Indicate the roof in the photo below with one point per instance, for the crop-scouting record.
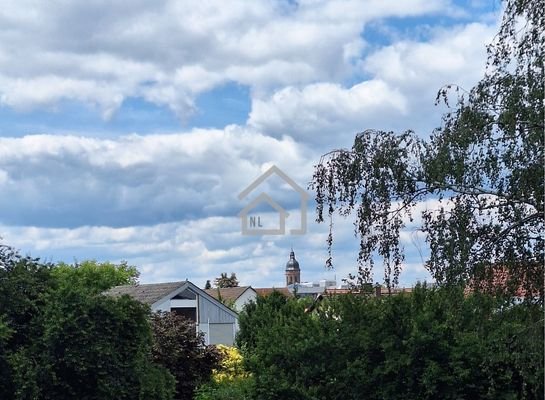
(146, 293)
(500, 280)
(262, 292)
(151, 293)
(228, 294)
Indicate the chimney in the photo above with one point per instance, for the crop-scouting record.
(378, 290)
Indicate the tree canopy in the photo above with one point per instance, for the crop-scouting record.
(94, 276)
(61, 338)
(433, 343)
(224, 281)
(480, 175)
(61, 341)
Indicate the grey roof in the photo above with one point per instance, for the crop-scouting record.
(147, 293)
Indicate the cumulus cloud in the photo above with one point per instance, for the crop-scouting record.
(67, 181)
(197, 249)
(318, 113)
(454, 55)
(399, 95)
(170, 51)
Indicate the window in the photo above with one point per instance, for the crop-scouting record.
(187, 312)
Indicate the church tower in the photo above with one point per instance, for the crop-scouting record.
(293, 273)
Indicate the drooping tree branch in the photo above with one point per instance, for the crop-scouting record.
(484, 168)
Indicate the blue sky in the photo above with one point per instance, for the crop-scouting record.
(127, 134)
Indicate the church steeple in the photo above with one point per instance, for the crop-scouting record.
(293, 273)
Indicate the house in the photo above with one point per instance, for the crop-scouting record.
(234, 297)
(312, 289)
(216, 321)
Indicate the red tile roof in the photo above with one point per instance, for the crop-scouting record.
(263, 292)
(500, 282)
(230, 294)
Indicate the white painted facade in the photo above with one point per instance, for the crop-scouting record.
(246, 297)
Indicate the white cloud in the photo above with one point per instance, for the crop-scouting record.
(319, 112)
(454, 55)
(399, 95)
(199, 249)
(167, 203)
(169, 51)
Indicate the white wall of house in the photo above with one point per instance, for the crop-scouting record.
(248, 295)
(222, 334)
(183, 303)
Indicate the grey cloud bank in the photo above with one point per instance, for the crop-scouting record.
(66, 181)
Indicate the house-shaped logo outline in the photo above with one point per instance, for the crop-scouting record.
(263, 197)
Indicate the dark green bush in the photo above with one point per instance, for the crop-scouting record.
(239, 388)
(178, 348)
(432, 343)
(59, 342)
(157, 384)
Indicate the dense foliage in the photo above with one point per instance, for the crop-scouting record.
(429, 344)
(90, 347)
(256, 316)
(230, 380)
(239, 389)
(481, 173)
(230, 367)
(94, 276)
(61, 341)
(178, 347)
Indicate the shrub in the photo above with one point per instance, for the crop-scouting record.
(230, 367)
(59, 342)
(230, 380)
(241, 388)
(179, 348)
(157, 384)
(432, 343)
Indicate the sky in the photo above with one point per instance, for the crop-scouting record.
(128, 129)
